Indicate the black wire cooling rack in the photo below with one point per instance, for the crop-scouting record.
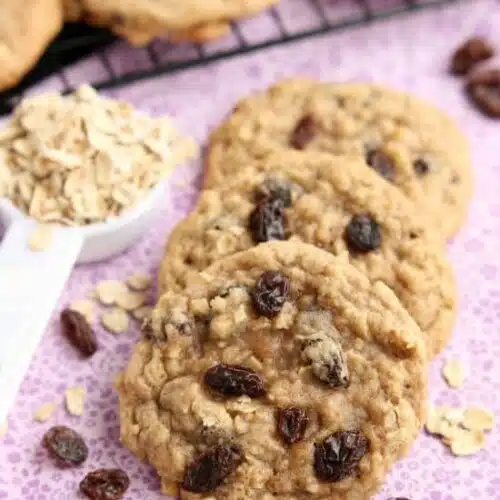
(78, 41)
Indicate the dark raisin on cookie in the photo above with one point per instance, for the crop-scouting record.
(105, 484)
(421, 167)
(327, 360)
(235, 381)
(292, 424)
(65, 446)
(303, 133)
(78, 331)
(338, 456)
(381, 163)
(267, 221)
(270, 293)
(209, 470)
(470, 53)
(276, 189)
(483, 89)
(363, 234)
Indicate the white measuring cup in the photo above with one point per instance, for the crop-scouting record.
(31, 282)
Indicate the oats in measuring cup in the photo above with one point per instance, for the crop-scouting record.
(81, 159)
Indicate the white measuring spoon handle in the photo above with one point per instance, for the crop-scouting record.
(30, 285)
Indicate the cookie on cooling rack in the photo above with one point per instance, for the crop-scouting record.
(408, 142)
(281, 372)
(141, 21)
(335, 203)
(26, 29)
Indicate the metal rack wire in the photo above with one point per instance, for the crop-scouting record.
(78, 41)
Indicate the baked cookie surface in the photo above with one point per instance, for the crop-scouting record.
(335, 203)
(196, 20)
(27, 28)
(407, 141)
(280, 372)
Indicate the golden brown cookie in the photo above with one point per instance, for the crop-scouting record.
(335, 203)
(196, 20)
(280, 372)
(26, 29)
(407, 141)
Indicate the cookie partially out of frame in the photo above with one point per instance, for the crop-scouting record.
(142, 21)
(335, 203)
(280, 372)
(410, 143)
(26, 29)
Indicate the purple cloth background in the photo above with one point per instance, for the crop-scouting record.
(407, 53)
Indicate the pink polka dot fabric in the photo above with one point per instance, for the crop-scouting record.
(409, 54)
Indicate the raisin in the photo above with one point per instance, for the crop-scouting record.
(303, 133)
(363, 234)
(484, 91)
(267, 221)
(381, 163)
(270, 293)
(65, 446)
(234, 381)
(276, 189)
(209, 470)
(338, 456)
(292, 424)
(421, 167)
(472, 52)
(105, 484)
(79, 332)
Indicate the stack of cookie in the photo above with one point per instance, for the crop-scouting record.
(296, 369)
(30, 25)
(140, 21)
